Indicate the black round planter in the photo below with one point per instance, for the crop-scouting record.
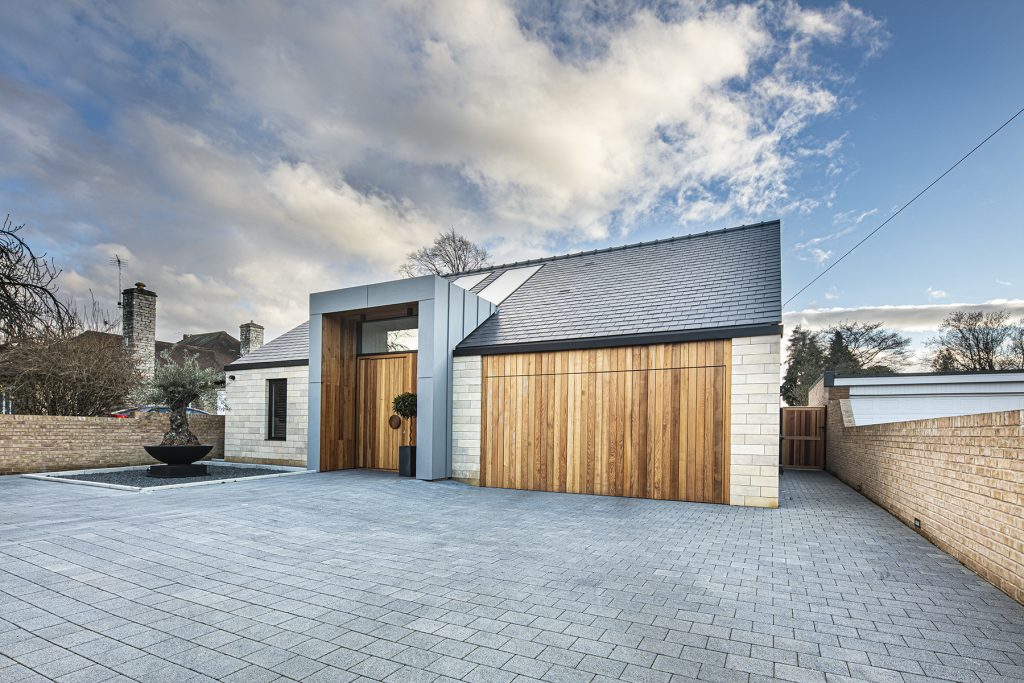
(178, 460)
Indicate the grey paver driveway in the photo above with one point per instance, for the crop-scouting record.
(358, 575)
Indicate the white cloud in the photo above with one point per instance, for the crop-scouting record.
(820, 256)
(937, 293)
(833, 293)
(905, 318)
(1003, 283)
(852, 218)
(262, 154)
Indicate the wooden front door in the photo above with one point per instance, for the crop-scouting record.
(380, 379)
(645, 422)
(803, 438)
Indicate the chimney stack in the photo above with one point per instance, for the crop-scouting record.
(251, 337)
(138, 326)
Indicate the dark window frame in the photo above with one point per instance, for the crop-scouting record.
(277, 390)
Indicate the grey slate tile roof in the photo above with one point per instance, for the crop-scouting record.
(724, 278)
(288, 349)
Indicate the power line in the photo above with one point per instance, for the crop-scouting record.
(900, 210)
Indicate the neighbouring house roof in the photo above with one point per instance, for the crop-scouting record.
(212, 349)
(721, 282)
(291, 348)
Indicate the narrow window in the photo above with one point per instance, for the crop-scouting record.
(277, 408)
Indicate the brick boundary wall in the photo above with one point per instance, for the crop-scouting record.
(963, 477)
(45, 443)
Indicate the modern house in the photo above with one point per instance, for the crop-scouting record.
(649, 370)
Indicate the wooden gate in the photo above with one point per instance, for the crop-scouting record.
(644, 422)
(381, 378)
(802, 445)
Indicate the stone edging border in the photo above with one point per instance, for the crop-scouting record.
(58, 478)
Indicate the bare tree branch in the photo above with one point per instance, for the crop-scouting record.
(450, 253)
(977, 341)
(28, 289)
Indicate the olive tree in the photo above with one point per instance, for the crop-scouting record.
(177, 386)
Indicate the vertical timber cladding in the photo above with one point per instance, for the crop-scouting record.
(381, 378)
(339, 382)
(642, 421)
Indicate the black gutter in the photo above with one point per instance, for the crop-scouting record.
(267, 364)
(622, 340)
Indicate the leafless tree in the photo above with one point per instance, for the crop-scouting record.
(28, 289)
(77, 368)
(970, 341)
(450, 253)
(871, 346)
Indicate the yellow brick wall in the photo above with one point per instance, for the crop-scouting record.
(963, 477)
(44, 443)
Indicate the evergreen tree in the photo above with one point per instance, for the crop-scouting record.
(805, 361)
(839, 357)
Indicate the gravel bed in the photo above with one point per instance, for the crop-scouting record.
(138, 477)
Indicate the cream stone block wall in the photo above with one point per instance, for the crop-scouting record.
(467, 388)
(245, 418)
(754, 432)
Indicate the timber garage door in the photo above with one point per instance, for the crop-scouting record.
(644, 421)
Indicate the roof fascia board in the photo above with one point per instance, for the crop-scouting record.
(956, 378)
(623, 340)
(268, 364)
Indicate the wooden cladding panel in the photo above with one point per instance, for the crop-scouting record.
(338, 386)
(645, 422)
(381, 378)
(803, 437)
(338, 389)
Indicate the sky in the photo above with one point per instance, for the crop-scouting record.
(239, 156)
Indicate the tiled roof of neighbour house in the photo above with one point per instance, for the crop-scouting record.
(291, 348)
(721, 279)
(212, 349)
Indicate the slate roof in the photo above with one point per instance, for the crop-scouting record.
(719, 279)
(212, 350)
(291, 348)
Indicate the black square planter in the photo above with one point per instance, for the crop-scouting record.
(407, 461)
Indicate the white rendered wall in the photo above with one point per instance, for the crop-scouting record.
(878, 400)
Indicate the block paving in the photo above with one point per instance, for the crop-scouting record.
(362, 576)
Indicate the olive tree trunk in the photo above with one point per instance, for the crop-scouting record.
(179, 434)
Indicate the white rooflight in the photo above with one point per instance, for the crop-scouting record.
(471, 281)
(507, 282)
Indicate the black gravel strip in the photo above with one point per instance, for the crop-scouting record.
(138, 477)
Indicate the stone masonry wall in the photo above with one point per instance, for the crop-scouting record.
(467, 386)
(138, 327)
(45, 443)
(754, 432)
(245, 417)
(962, 477)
